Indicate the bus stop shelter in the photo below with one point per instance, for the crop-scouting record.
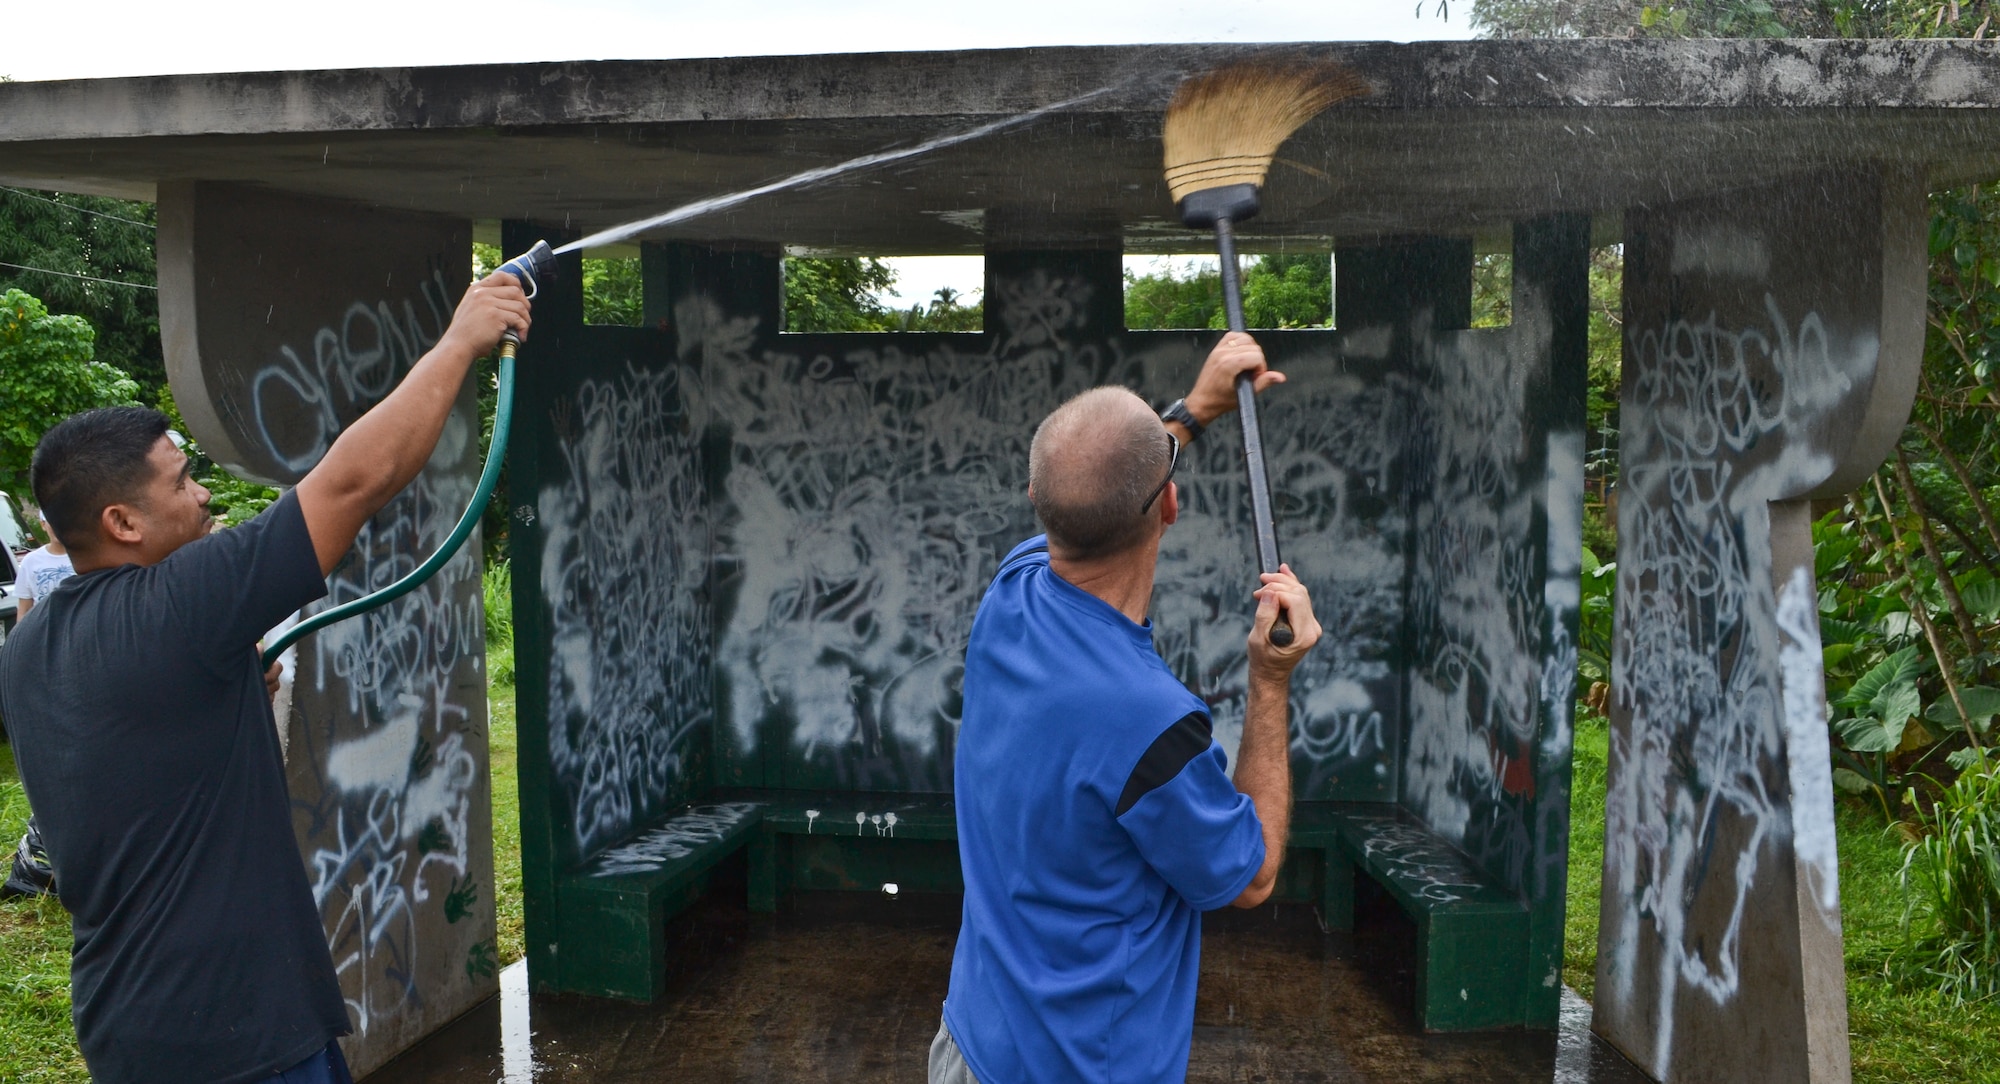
(745, 560)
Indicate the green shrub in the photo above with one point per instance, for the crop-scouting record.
(1951, 874)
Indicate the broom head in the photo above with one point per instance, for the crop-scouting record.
(1224, 127)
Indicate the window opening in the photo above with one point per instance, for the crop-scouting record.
(1493, 289)
(1184, 291)
(883, 293)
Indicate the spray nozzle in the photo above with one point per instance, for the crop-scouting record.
(533, 267)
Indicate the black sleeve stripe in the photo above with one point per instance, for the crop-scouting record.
(1187, 739)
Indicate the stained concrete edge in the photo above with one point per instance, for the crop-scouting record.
(1603, 73)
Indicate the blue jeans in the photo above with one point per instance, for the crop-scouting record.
(323, 1067)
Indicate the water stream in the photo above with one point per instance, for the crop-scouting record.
(821, 173)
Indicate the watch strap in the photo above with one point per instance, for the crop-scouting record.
(1177, 411)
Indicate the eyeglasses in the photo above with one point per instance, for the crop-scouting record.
(1173, 460)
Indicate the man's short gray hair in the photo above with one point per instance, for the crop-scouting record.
(1095, 460)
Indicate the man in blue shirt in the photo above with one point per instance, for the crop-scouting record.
(1096, 818)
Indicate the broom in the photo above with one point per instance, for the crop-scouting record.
(1222, 130)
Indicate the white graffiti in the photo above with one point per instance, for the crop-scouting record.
(1720, 761)
(624, 570)
(394, 765)
(1806, 743)
(678, 838)
(355, 362)
(871, 492)
(1488, 691)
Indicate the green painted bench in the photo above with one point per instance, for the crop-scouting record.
(613, 909)
(1472, 936)
(853, 843)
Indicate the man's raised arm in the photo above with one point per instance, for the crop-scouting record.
(1263, 759)
(384, 449)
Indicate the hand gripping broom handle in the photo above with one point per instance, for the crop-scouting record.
(1253, 436)
(533, 267)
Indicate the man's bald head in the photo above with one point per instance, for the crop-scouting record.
(1095, 460)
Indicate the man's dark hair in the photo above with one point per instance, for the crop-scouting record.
(1093, 462)
(90, 461)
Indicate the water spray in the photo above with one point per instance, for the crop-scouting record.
(538, 265)
(821, 173)
(532, 268)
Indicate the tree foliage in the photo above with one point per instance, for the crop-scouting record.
(108, 239)
(1279, 291)
(1701, 18)
(613, 292)
(48, 371)
(835, 294)
(846, 294)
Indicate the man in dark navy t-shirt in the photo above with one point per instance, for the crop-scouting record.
(1096, 816)
(144, 735)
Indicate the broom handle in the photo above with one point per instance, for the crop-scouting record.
(1253, 436)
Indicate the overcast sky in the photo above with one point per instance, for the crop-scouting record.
(148, 37)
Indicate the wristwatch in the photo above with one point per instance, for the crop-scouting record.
(1177, 411)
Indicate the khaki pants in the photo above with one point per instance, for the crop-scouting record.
(947, 1064)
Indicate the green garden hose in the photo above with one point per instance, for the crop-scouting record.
(535, 266)
(503, 416)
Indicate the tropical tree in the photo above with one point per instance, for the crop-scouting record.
(91, 257)
(47, 372)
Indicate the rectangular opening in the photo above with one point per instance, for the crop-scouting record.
(835, 294)
(1184, 291)
(1493, 289)
(613, 292)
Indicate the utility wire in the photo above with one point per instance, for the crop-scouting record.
(73, 275)
(74, 207)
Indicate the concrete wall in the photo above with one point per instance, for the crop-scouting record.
(1771, 353)
(284, 318)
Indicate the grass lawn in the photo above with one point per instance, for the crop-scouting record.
(38, 1046)
(506, 823)
(1898, 1034)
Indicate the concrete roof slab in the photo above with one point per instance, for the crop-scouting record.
(1458, 136)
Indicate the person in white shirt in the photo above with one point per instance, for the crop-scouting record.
(41, 570)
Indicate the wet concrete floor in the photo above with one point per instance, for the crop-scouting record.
(846, 988)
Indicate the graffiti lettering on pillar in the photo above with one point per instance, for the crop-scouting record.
(349, 367)
(391, 704)
(624, 570)
(1717, 422)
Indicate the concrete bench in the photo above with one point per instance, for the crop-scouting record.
(1472, 935)
(614, 907)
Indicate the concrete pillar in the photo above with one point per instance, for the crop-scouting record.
(284, 318)
(1773, 338)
